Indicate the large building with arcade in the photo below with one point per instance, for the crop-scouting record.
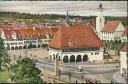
(77, 43)
(23, 38)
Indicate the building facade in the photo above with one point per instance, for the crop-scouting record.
(15, 39)
(112, 31)
(124, 35)
(124, 61)
(100, 20)
(77, 43)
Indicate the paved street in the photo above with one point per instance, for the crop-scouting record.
(103, 72)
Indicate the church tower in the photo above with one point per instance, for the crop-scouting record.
(67, 19)
(100, 21)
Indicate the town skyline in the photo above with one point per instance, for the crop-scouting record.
(82, 8)
(52, 48)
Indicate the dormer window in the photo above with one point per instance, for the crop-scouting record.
(71, 43)
(13, 34)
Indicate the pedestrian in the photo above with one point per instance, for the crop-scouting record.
(76, 81)
(86, 80)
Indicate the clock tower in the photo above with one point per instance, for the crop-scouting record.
(100, 20)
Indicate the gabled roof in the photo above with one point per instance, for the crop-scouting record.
(124, 48)
(28, 32)
(9, 33)
(110, 26)
(79, 36)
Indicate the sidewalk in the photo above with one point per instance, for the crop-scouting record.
(51, 78)
(118, 78)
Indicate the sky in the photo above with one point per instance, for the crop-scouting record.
(82, 8)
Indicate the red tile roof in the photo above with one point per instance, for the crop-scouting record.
(9, 33)
(124, 48)
(110, 26)
(29, 32)
(79, 36)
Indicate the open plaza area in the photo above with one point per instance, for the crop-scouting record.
(103, 72)
(63, 42)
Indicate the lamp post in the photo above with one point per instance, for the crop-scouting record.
(69, 75)
(56, 67)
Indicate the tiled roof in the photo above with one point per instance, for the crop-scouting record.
(110, 26)
(29, 32)
(124, 48)
(79, 36)
(9, 33)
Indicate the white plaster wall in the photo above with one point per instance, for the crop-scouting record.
(107, 36)
(19, 43)
(119, 30)
(123, 63)
(120, 27)
(113, 35)
(55, 52)
(100, 24)
(124, 39)
(3, 35)
(82, 53)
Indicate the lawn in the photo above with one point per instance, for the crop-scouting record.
(4, 76)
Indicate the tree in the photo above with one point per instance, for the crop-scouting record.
(30, 45)
(25, 71)
(4, 58)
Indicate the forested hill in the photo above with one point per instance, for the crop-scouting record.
(15, 15)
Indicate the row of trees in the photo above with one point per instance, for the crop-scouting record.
(4, 58)
(15, 15)
(114, 45)
(23, 71)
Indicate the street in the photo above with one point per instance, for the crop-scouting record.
(102, 72)
(93, 71)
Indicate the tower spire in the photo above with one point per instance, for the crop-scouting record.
(100, 6)
(67, 17)
(100, 19)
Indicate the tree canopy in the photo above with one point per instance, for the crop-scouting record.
(4, 58)
(25, 71)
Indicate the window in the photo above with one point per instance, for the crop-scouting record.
(96, 53)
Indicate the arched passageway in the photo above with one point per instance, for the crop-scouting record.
(34, 46)
(16, 48)
(85, 58)
(56, 56)
(39, 46)
(65, 59)
(59, 58)
(53, 56)
(78, 59)
(50, 56)
(12, 48)
(25, 46)
(72, 58)
(20, 47)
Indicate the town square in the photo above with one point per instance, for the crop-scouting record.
(63, 42)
